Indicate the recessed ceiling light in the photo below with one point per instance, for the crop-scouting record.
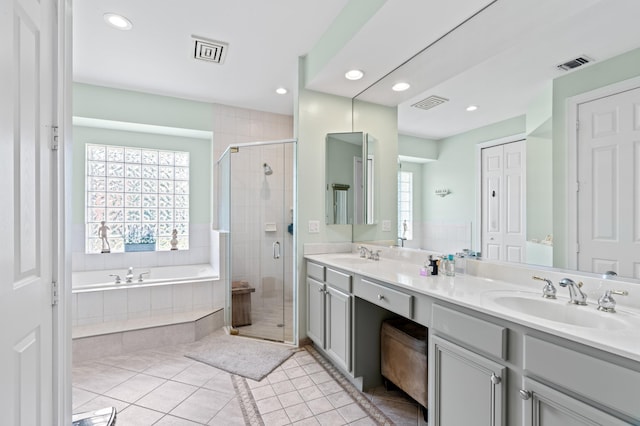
(118, 21)
(472, 108)
(354, 75)
(281, 91)
(401, 87)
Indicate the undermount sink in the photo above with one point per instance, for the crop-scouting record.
(556, 310)
(351, 258)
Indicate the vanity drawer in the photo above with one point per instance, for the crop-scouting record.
(485, 336)
(392, 300)
(315, 271)
(601, 381)
(338, 280)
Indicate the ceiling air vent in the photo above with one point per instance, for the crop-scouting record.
(209, 50)
(430, 102)
(575, 63)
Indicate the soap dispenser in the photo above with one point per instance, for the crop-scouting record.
(433, 264)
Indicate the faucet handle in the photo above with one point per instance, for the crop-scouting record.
(607, 303)
(376, 255)
(118, 279)
(548, 291)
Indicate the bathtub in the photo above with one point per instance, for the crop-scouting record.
(165, 291)
(86, 281)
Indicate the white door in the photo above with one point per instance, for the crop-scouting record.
(503, 186)
(27, 37)
(609, 184)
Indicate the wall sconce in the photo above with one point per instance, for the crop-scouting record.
(442, 192)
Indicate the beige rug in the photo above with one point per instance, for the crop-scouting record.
(253, 359)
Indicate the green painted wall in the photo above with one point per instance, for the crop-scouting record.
(456, 169)
(347, 24)
(622, 67)
(135, 107)
(412, 146)
(200, 165)
(381, 123)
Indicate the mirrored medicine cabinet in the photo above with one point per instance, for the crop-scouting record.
(349, 179)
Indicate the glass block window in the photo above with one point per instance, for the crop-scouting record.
(405, 205)
(141, 194)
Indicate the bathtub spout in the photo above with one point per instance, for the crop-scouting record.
(140, 276)
(129, 275)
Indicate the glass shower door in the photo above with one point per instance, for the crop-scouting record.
(261, 248)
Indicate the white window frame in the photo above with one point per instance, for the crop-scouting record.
(136, 189)
(402, 214)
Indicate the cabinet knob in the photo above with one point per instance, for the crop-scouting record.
(495, 379)
(524, 394)
(380, 297)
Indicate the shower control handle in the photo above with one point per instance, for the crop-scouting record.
(276, 250)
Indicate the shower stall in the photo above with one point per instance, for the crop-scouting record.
(256, 187)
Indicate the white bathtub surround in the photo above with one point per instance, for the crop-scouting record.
(199, 252)
(122, 337)
(165, 290)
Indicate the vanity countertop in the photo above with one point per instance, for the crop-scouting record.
(617, 333)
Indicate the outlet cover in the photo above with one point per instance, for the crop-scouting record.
(314, 226)
(386, 226)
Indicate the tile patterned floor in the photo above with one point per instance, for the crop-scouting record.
(162, 387)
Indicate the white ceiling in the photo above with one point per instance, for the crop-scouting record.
(499, 60)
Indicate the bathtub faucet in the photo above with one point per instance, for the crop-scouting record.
(141, 274)
(118, 280)
(129, 275)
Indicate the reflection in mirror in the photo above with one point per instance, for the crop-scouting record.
(345, 172)
(538, 106)
(340, 204)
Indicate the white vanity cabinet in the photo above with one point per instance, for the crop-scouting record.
(329, 306)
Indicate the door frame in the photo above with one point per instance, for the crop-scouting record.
(477, 232)
(61, 217)
(571, 206)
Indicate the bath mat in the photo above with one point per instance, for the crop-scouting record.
(248, 358)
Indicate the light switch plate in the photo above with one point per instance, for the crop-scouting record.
(314, 226)
(386, 226)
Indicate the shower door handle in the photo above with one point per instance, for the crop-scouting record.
(276, 250)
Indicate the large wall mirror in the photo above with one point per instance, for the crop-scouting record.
(519, 90)
(350, 179)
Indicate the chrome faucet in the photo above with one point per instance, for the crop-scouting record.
(129, 275)
(607, 303)
(140, 276)
(577, 297)
(118, 279)
(548, 291)
(364, 252)
(402, 240)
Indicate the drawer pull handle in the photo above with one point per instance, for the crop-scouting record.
(525, 394)
(495, 379)
(380, 297)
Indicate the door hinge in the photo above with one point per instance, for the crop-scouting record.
(577, 125)
(54, 138)
(577, 247)
(54, 293)
(578, 186)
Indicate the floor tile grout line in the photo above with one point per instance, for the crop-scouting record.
(367, 406)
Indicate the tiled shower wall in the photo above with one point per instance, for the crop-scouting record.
(258, 199)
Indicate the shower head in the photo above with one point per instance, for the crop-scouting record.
(267, 169)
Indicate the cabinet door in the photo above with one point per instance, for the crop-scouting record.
(315, 311)
(338, 327)
(468, 388)
(544, 406)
